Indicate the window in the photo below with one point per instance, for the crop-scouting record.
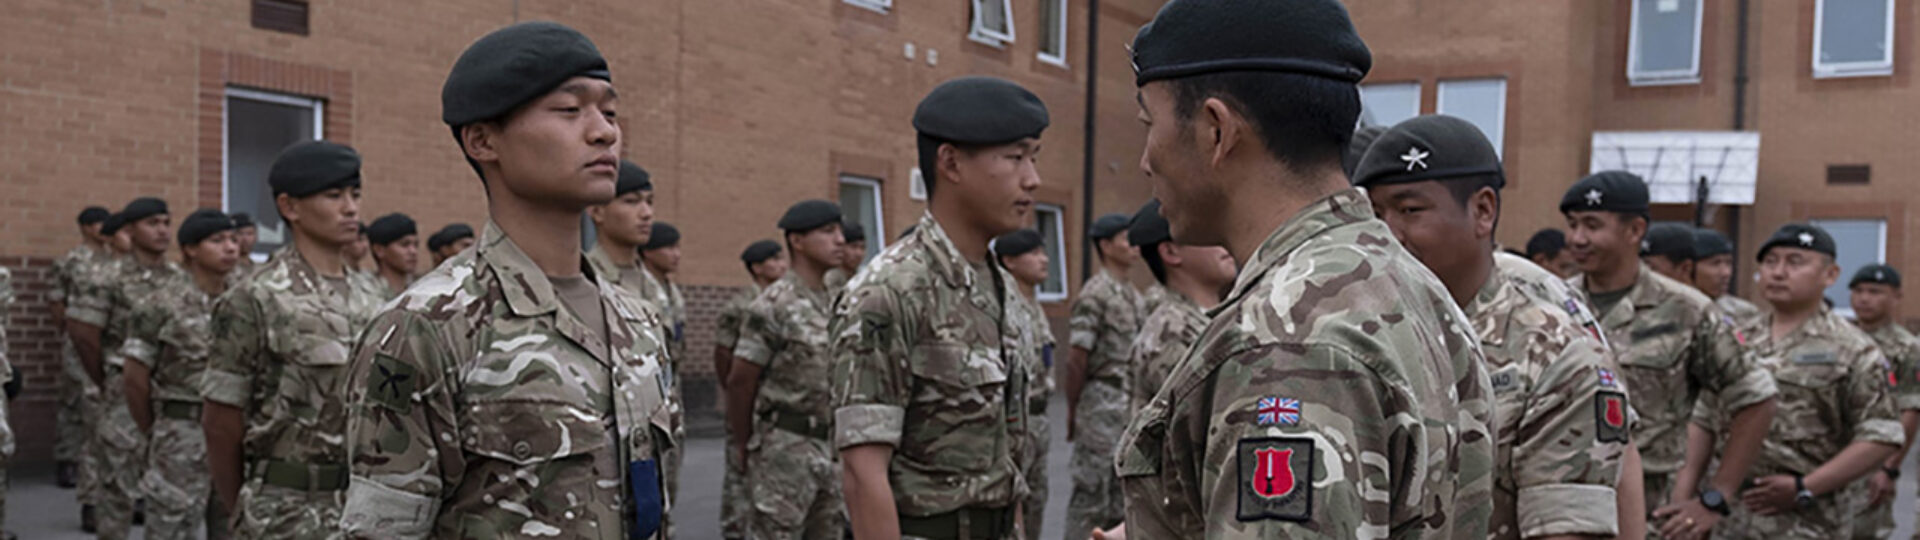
(1852, 38)
(259, 125)
(1664, 42)
(1053, 32)
(992, 22)
(288, 16)
(1050, 217)
(860, 202)
(1860, 242)
(1482, 102)
(1388, 104)
(876, 5)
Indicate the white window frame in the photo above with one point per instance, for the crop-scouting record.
(1440, 106)
(1662, 78)
(1054, 260)
(1823, 70)
(881, 6)
(1845, 309)
(1417, 98)
(1061, 35)
(319, 134)
(879, 209)
(980, 33)
(916, 185)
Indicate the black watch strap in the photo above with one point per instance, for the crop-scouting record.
(1893, 473)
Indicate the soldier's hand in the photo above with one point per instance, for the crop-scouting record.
(1882, 488)
(1769, 495)
(1118, 532)
(1686, 520)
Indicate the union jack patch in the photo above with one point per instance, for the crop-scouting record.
(1606, 378)
(1278, 411)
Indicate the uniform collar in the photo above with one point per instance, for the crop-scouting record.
(1335, 210)
(522, 282)
(821, 299)
(603, 265)
(1487, 300)
(943, 258)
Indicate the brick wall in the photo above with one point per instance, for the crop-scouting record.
(33, 346)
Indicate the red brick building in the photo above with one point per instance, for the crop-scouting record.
(739, 107)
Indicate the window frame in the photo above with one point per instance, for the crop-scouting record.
(1440, 107)
(880, 6)
(978, 32)
(1841, 307)
(1839, 70)
(1060, 35)
(1662, 78)
(1418, 98)
(1055, 261)
(876, 238)
(319, 107)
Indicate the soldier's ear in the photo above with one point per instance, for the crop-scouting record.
(289, 212)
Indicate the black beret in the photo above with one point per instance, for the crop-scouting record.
(1546, 242)
(806, 215)
(632, 178)
(1196, 37)
(142, 208)
(851, 232)
(759, 252)
(1800, 235)
(1357, 147)
(1671, 240)
(449, 234)
(1876, 273)
(242, 220)
(391, 228)
(1017, 243)
(1149, 227)
(112, 224)
(981, 111)
(93, 214)
(664, 236)
(201, 224)
(1709, 242)
(1106, 226)
(312, 167)
(513, 65)
(1432, 147)
(1611, 191)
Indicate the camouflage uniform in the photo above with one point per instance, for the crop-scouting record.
(1833, 392)
(1738, 308)
(118, 445)
(1672, 344)
(1105, 319)
(734, 505)
(1164, 339)
(1562, 412)
(667, 303)
(795, 477)
(1321, 400)
(1902, 352)
(1150, 301)
(836, 279)
(279, 354)
(170, 333)
(6, 376)
(926, 362)
(483, 408)
(1039, 392)
(73, 422)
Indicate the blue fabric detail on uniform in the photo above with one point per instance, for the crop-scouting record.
(643, 477)
(680, 331)
(1046, 354)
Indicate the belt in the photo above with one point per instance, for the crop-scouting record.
(982, 524)
(301, 476)
(1037, 405)
(803, 424)
(180, 410)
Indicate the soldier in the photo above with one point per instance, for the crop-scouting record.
(1836, 421)
(71, 423)
(451, 240)
(660, 258)
(1563, 426)
(1672, 345)
(512, 391)
(247, 233)
(1713, 273)
(929, 384)
(1337, 372)
(354, 255)
(620, 227)
(1194, 277)
(1548, 249)
(1021, 254)
(1668, 251)
(395, 245)
(851, 256)
(273, 414)
(1105, 319)
(103, 309)
(766, 263)
(166, 350)
(1875, 300)
(8, 378)
(86, 276)
(778, 400)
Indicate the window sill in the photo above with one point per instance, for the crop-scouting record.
(1851, 73)
(1663, 81)
(987, 40)
(876, 8)
(1051, 60)
(1051, 297)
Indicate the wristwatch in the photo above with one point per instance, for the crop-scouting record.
(1715, 501)
(1801, 495)
(1893, 473)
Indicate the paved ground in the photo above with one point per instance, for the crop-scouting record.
(36, 509)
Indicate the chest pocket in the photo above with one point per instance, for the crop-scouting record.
(1812, 387)
(955, 419)
(309, 362)
(1655, 367)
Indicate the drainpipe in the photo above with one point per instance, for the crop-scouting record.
(1740, 80)
(1087, 140)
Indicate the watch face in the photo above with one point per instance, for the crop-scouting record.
(1712, 498)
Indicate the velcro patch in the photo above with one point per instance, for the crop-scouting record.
(1655, 331)
(1822, 357)
(391, 384)
(1610, 417)
(1276, 479)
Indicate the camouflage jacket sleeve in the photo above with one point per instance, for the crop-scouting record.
(726, 328)
(143, 327)
(1565, 460)
(401, 429)
(1083, 325)
(1869, 406)
(758, 338)
(238, 333)
(872, 381)
(92, 299)
(1904, 360)
(1726, 368)
(62, 274)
